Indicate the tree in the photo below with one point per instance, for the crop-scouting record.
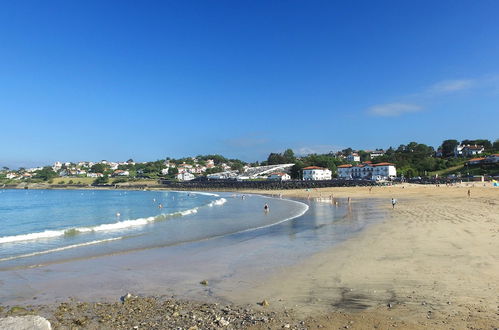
(98, 168)
(289, 156)
(45, 173)
(495, 146)
(101, 180)
(275, 158)
(448, 147)
(347, 151)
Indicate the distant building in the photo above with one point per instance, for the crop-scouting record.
(11, 175)
(57, 166)
(468, 150)
(279, 176)
(367, 171)
(354, 157)
(95, 175)
(121, 173)
(492, 158)
(316, 173)
(186, 176)
(210, 163)
(475, 161)
(376, 153)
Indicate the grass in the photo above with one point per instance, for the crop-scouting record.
(447, 171)
(65, 180)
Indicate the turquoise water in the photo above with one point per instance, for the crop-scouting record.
(43, 226)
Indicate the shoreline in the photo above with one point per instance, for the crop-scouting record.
(431, 264)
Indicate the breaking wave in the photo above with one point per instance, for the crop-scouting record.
(120, 225)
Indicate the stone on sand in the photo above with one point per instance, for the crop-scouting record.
(29, 322)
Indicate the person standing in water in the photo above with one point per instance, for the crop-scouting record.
(266, 208)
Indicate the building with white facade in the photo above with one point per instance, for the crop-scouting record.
(377, 153)
(279, 176)
(468, 150)
(316, 173)
(354, 157)
(367, 171)
(186, 176)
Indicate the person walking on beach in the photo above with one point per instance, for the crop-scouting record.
(394, 201)
(469, 193)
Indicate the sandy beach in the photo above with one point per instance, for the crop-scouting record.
(433, 263)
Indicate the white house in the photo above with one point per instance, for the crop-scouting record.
(95, 175)
(279, 176)
(316, 173)
(367, 171)
(376, 153)
(468, 150)
(57, 166)
(186, 176)
(11, 175)
(353, 157)
(121, 173)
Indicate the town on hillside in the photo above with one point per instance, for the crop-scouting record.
(472, 159)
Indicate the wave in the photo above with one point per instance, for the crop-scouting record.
(218, 202)
(61, 249)
(120, 225)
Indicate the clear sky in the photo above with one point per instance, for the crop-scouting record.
(92, 80)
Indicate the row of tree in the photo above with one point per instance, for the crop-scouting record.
(411, 159)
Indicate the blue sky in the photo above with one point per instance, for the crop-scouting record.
(91, 80)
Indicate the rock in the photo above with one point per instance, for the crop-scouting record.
(127, 297)
(223, 322)
(264, 303)
(29, 322)
(204, 282)
(390, 305)
(286, 326)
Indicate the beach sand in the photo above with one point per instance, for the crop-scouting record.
(433, 263)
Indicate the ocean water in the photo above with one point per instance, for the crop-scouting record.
(45, 226)
(60, 244)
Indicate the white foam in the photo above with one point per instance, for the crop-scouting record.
(218, 202)
(60, 249)
(120, 225)
(31, 236)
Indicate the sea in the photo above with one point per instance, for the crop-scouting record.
(59, 243)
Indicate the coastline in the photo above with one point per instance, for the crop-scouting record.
(430, 264)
